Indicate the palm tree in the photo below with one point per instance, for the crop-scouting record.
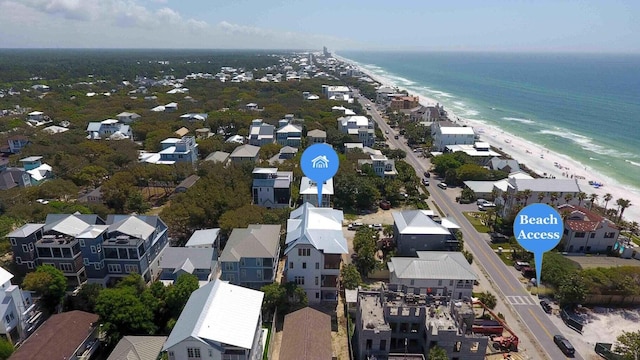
(581, 196)
(540, 197)
(518, 196)
(568, 197)
(607, 198)
(554, 197)
(592, 198)
(634, 227)
(622, 205)
(526, 194)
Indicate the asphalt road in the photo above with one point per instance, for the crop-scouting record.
(526, 306)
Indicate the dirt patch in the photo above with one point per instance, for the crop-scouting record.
(587, 262)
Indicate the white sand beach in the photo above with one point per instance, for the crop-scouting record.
(541, 160)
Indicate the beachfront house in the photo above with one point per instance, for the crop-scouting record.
(416, 230)
(383, 92)
(445, 133)
(444, 273)
(587, 232)
(314, 247)
(546, 191)
(404, 102)
(219, 321)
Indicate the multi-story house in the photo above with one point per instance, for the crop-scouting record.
(176, 261)
(272, 188)
(542, 190)
(586, 231)
(445, 133)
(443, 273)
(17, 142)
(127, 117)
(309, 192)
(110, 129)
(289, 135)
(175, 150)
(18, 314)
(415, 230)
(261, 133)
(358, 126)
(316, 137)
(205, 238)
(250, 257)
(402, 320)
(404, 102)
(38, 172)
(85, 247)
(220, 321)
(314, 247)
(337, 92)
(382, 166)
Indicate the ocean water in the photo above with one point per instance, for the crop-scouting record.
(584, 106)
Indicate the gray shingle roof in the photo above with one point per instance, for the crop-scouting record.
(177, 257)
(138, 348)
(256, 241)
(445, 265)
(245, 151)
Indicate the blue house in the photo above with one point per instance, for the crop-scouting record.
(250, 258)
(179, 150)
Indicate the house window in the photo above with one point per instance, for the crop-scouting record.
(317, 295)
(580, 234)
(30, 246)
(439, 282)
(81, 241)
(259, 262)
(299, 280)
(457, 346)
(450, 282)
(18, 260)
(228, 266)
(193, 353)
(304, 265)
(66, 267)
(131, 268)
(13, 241)
(25, 248)
(114, 268)
(96, 266)
(30, 265)
(290, 264)
(304, 252)
(99, 247)
(383, 345)
(171, 355)
(85, 261)
(317, 280)
(609, 235)
(259, 274)
(210, 353)
(317, 265)
(93, 249)
(411, 282)
(243, 274)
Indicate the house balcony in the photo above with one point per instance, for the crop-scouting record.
(332, 261)
(329, 282)
(90, 349)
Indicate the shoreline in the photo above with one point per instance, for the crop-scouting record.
(536, 157)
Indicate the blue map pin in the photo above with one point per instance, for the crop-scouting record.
(538, 229)
(319, 163)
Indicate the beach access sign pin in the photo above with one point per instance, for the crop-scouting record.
(538, 229)
(319, 163)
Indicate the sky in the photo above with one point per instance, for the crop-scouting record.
(421, 25)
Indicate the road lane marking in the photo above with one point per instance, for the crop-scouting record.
(520, 300)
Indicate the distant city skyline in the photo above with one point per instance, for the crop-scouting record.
(594, 26)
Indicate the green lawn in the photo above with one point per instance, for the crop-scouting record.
(476, 222)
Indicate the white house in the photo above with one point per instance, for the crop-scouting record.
(18, 313)
(314, 247)
(444, 273)
(261, 133)
(444, 133)
(309, 192)
(127, 117)
(110, 129)
(382, 166)
(219, 321)
(337, 92)
(548, 191)
(359, 126)
(289, 135)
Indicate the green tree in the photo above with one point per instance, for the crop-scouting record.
(275, 298)
(607, 197)
(437, 353)
(364, 244)
(125, 310)
(628, 345)
(49, 282)
(6, 349)
(178, 293)
(572, 290)
(86, 298)
(488, 299)
(350, 276)
(622, 205)
(91, 175)
(118, 189)
(296, 297)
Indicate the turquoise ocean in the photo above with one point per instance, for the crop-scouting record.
(584, 106)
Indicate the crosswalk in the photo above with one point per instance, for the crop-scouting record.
(520, 300)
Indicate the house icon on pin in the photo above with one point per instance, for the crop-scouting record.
(320, 162)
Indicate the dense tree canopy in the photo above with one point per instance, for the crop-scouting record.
(49, 282)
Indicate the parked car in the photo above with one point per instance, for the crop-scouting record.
(545, 306)
(396, 137)
(481, 201)
(564, 345)
(385, 205)
(521, 264)
(377, 227)
(442, 186)
(425, 182)
(354, 226)
(427, 174)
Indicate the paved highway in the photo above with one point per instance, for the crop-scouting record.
(526, 306)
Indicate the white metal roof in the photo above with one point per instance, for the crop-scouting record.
(318, 227)
(444, 265)
(5, 276)
(456, 130)
(203, 237)
(417, 222)
(309, 187)
(219, 312)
